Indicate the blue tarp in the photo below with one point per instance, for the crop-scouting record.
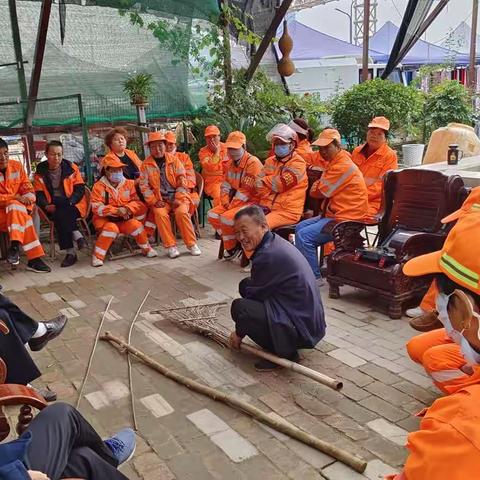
(310, 44)
(422, 53)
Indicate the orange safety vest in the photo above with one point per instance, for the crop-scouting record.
(175, 173)
(373, 170)
(213, 166)
(15, 182)
(282, 185)
(447, 446)
(106, 198)
(71, 177)
(343, 184)
(189, 170)
(238, 188)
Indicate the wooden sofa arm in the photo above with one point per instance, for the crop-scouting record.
(11, 394)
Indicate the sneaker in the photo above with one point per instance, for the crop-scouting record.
(13, 255)
(151, 253)
(82, 243)
(231, 254)
(96, 262)
(173, 252)
(414, 312)
(38, 265)
(194, 250)
(266, 366)
(122, 445)
(69, 260)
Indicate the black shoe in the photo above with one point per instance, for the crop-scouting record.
(266, 366)
(69, 260)
(38, 265)
(13, 255)
(82, 243)
(47, 394)
(217, 236)
(231, 254)
(54, 327)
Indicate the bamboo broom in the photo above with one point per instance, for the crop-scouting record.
(339, 454)
(201, 319)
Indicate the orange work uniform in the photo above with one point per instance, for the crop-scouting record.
(281, 187)
(106, 200)
(71, 177)
(130, 154)
(238, 190)
(443, 360)
(343, 185)
(190, 176)
(373, 169)
(213, 169)
(14, 215)
(447, 445)
(176, 182)
(312, 158)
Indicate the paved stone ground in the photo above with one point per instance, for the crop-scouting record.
(183, 435)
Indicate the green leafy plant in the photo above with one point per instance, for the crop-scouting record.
(353, 109)
(139, 87)
(448, 102)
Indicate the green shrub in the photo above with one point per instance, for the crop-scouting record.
(353, 109)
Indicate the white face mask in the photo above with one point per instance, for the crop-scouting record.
(442, 304)
(236, 154)
(471, 356)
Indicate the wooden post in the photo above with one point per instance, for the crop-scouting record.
(366, 38)
(227, 53)
(472, 80)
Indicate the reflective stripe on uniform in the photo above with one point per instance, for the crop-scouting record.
(15, 206)
(371, 180)
(150, 225)
(14, 175)
(213, 215)
(226, 221)
(101, 251)
(333, 186)
(446, 375)
(138, 231)
(229, 237)
(241, 196)
(108, 234)
(459, 271)
(31, 245)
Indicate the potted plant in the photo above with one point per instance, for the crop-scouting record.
(139, 87)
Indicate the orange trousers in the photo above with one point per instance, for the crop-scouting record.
(212, 188)
(280, 218)
(160, 218)
(108, 231)
(429, 301)
(16, 220)
(443, 360)
(221, 220)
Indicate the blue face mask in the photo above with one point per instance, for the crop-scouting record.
(116, 177)
(282, 150)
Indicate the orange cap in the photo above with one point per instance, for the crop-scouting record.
(170, 137)
(112, 161)
(212, 130)
(236, 140)
(470, 205)
(380, 122)
(327, 137)
(155, 137)
(456, 259)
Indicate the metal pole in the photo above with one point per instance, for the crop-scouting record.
(17, 45)
(142, 122)
(473, 47)
(86, 144)
(366, 34)
(267, 38)
(350, 21)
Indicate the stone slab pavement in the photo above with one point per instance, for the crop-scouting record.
(184, 435)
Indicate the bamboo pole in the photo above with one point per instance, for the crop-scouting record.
(339, 454)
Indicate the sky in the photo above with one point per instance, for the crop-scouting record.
(326, 19)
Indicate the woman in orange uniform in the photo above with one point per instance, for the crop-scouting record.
(213, 159)
(374, 159)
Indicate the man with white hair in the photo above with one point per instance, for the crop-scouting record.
(282, 184)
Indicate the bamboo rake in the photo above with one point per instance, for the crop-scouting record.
(339, 454)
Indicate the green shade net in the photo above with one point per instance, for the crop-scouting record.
(100, 50)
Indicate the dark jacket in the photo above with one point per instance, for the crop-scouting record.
(282, 279)
(13, 458)
(67, 171)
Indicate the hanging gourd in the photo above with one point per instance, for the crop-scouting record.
(285, 66)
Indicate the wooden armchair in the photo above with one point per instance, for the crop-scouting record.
(410, 225)
(21, 395)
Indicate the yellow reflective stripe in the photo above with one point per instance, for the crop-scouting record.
(459, 271)
(476, 206)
